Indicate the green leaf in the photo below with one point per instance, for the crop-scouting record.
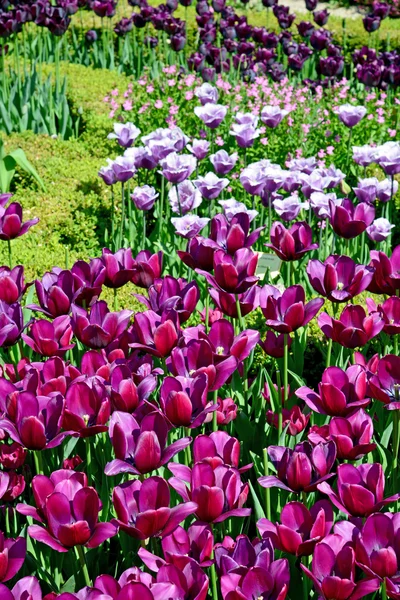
(7, 170)
(258, 509)
(20, 158)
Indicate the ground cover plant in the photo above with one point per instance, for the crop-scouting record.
(199, 304)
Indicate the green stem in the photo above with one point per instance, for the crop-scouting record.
(384, 594)
(214, 588)
(267, 490)
(207, 310)
(113, 244)
(82, 560)
(188, 454)
(144, 231)
(37, 455)
(115, 299)
(285, 366)
(214, 421)
(396, 441)
(9, 254)
(329, 353)
(122, 214)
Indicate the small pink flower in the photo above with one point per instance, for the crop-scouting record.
(127, 105)
(219, 141)
(114, 92)
(330, 150)
(392, 132)
(158, 104)
(264, 141)
(150, 89)
(369, 117)
(321, 153)
(189, 95)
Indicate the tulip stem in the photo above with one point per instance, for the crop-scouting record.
(329, 353)
(122, 214)
(213, 574)
(144, 232)
(38, 462)
(161, 206)
(115, 299)
(305, 586)
(214, 421)
(9, 254)
(82, 560)
(285, 366)
(384, 594)
(188, 454)
(267, 490)
(113, 244)
(396, 441)
(207, 309)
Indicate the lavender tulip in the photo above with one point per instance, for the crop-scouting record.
(222, 162)
(232, 207)
(351, 115)
(379, 230)
(189, 226)
(124, 133)
(210, 186)
(184, 199)
(211, 114)
(271, 116)
(176, 167)
(207, 93)
(199, 148)
(144, 197)
(124, 168)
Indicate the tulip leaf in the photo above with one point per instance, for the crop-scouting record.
(20, 159)
(69, 585)
(386, 435)
(258, 509)
(382, 456)
(7, 170)
(300, 382)
(69, 447)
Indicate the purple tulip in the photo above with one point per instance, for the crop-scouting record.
(377, 549)
(147, 268)
(184, 199)
(87, 407)
(12, 556)
(288, 208)
(234, 274)
(210, 186)
(88, 281)
(11, 225)
(218, 492)
(55, 293)
(366, 191)
(333, 571)
(385, 384)
(155, 334)
(119, 267)
(384, 189)
(211, 114)
(123, 168)
(349, 221)
(162, 142)
(352, 435)
(222, 162)
(207, 93)
(27, 587)
(321, 17)
(184, 401)
(12, 284)
(144, 197)
(379, 230)
(169, 293)
(100, 327)
(124, 133)
(189, 226)
(232, 207)
(293, 243)
(340, 392)
(11, 323)
(245, 134)
(248, 301)
(271, 116)
(142, 157)
(107, 173)
(234, 234)
(339, 278)
(364, 155)
(199, 148)
(351, 115)
(300, 529)
(35, 422)
(224, 343)
(359, 489)
(69, 515)
(50, 338)
(353, 328)
(177, 167)
(286, 311)
(274, 345)
(218, 448)
(140, 449)
(143, 509)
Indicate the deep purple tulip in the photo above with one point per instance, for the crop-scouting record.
(88, 281)
(155, 334)
(340, 392)
(274, 345)
(12, 556)
(301, 469)
(50, 338)
(386, 278)
(211, 114)
(351, 115)
(333, 571)
(147, 268)
(124, 133)
(353, 329)
(352, 435)
(140, 449)
(300, 529)
(234, 274)
(286, 311)
(169, 293)
(11, 323)
(234, 234)
(119, 267)
(199, 253)
(36, 422)
(184, 401)
(321, 17)
(218, 448)
(377, 549)
(385, 384)
(12, 284)
(293, 243)
(218, 492)
(55, 293)
(100, 327)
(248, 570)
(143, 509)
(359, 489)
(11, 225)
(26, 587)
(69, 515)
(389, 310)
(87, 407)
(248, 301)
(349, 221)
(339, 278)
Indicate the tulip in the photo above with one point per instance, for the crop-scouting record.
(69, 515)
(300, 529)
(11, 323)
(377, 551)
(55, 293)
(301, 469)
(12, 556)
(27, 587)
(123, 168)
(359, 489)
(176, 167)
(293, 420)
(88, 281)
(36, 422)
(389, 310)
(169, 293)
(12, 285)
(222, 162)
(107, 173)
(226, 411)
(199, 253)
(124, 133)
(144, 197)
(353, 328)
(379, 230)
(207, 93)
(233, 274)
(340, 392)
(156, 335)
(184, 197)
(339, 278)
(147, 268)
(143, 510)
(189, 226)
(126, 396)
(12, 456)
(197, 543)
(385, 384)
(224, 343)
(245, 134)
(367, 190)
(218, 448)
(293, 243)
(199, 148)
(352, 435)
(11, 225)
(100, 327)
(119, 267)
(50, 338)
(211, 114)
(162, 142)
(364, 155)
(286, 312)
(87, 407)
(333, 571)
(271, 116)
(388, 157)
(232, 207)
(210, 186)
(234, 234)
(227, 303)
(349, 221)
(140, 449)
(184, 401)
(218, 492)
(351, 115)
(386, 278)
